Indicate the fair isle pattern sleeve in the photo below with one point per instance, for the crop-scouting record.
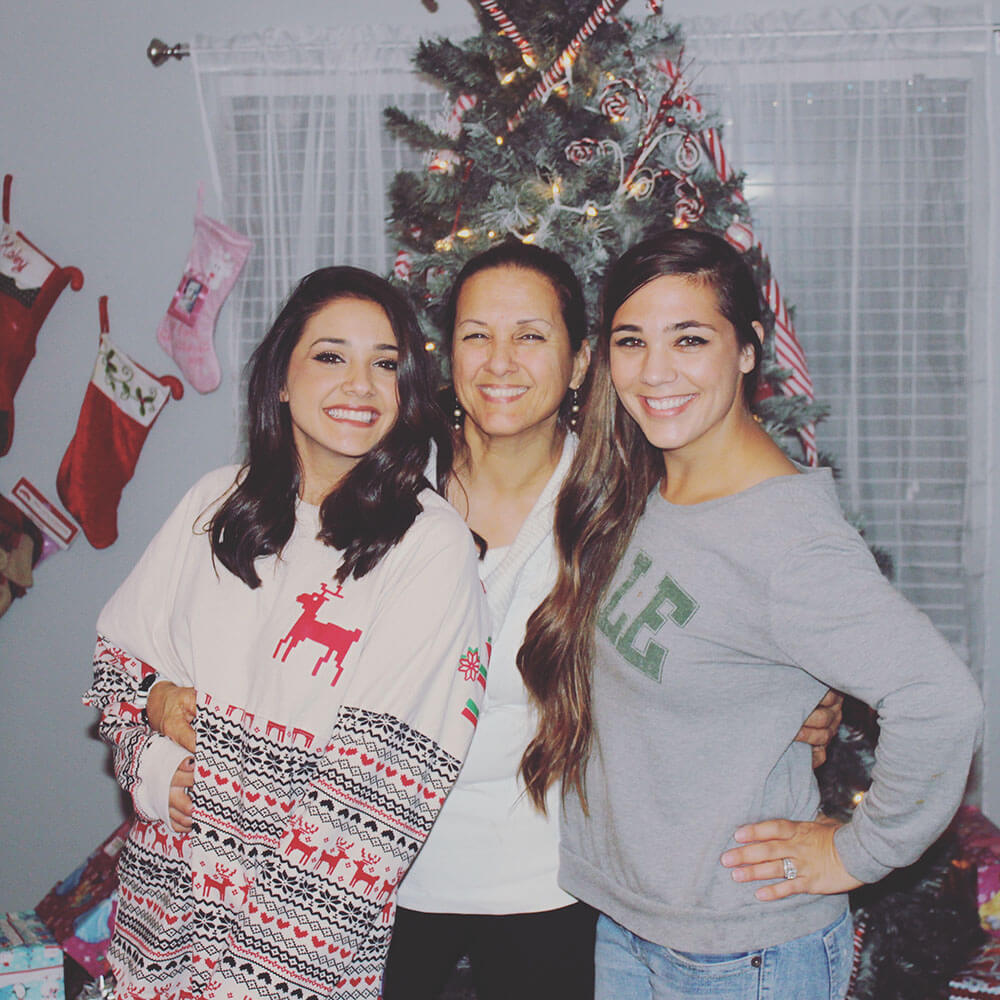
(116, 683)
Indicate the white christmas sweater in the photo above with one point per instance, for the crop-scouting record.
(332, 721)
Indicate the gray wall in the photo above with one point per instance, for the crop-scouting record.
(106, 153)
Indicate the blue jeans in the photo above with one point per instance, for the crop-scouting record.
(814, 967)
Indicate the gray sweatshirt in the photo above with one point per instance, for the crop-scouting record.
(722, 628)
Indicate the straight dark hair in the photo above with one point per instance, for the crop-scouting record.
(613, 473)
(375, 503)
(515, 254)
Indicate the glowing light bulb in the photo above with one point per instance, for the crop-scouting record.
(508, 78)
(529, 61)
(443, 245)
(857, 797)
(430, 346)
(499, 140)
(491, 234)
(591, 210)
(556, 189)
(530, 238)
(464, 234)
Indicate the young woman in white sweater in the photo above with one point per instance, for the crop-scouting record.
(324, 603)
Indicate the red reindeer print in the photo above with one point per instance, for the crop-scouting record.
(160, 838)
(220, 883)
(386, 914)
(132, 711)
(386, 891)
(331, 859)
(245, 889)
(300, 830)
(337, 640)
(362, 874)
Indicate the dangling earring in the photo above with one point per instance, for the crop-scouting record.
(574, 408)
(457, 413)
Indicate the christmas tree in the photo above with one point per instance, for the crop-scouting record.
(574, 127)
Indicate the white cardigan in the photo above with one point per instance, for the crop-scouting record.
(490, 850)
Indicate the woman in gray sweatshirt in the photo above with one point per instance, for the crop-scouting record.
(714, 590)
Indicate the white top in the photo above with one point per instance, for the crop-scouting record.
(491, 850)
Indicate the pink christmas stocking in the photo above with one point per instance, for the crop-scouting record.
(216, 258)
(30, 283)
(121, 403)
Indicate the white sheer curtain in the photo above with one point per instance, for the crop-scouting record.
(301, 159)
(864, 136)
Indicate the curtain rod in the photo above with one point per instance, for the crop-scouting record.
(158, 52)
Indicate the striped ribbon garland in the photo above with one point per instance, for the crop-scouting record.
(787, 348)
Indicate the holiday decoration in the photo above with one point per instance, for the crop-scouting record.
(30, 283)
(31, 964)
(980, 979)
(80, 909)
(574, 127)
(121, 403)
(31, 529)
(214, 263)
(20, 550)
(980, 841)
(57, 530)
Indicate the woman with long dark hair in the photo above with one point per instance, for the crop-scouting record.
(708, 589)
(324, 603)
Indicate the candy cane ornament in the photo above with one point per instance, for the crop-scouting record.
(509, 29)
(560, 68)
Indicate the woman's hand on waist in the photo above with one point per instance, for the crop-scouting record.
(802, 854)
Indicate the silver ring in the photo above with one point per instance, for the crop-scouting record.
(788, 866)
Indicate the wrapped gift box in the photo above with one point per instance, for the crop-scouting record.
(980, 841)
(980, 978)
(80, 909)
(31, 963)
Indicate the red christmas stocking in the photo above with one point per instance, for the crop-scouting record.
(121, 404)
(29, 285)
(214, 262)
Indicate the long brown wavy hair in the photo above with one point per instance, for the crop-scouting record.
(613, 473)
